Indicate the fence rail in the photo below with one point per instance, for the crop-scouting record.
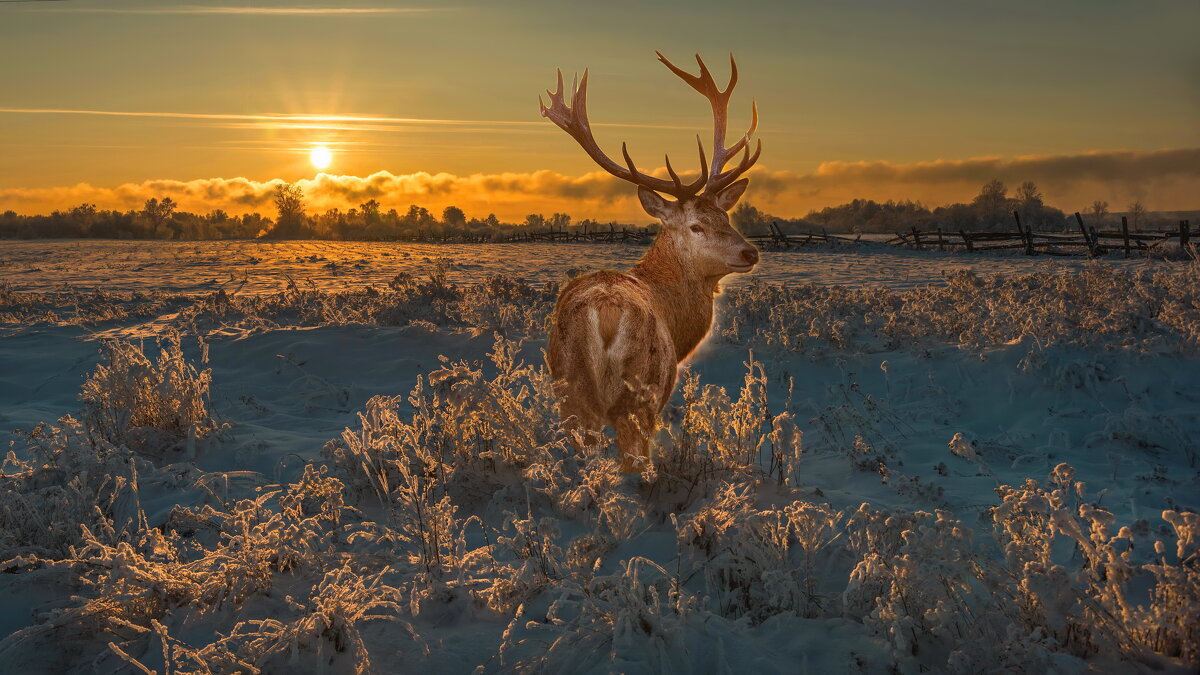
(1087, 241)
(594, 234)
(773, 239)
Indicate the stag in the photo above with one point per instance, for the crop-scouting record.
(619, 337)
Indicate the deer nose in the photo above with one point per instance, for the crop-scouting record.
(750, 255)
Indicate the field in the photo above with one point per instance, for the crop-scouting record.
(337, 458)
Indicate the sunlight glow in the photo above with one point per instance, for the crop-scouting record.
(320, 157)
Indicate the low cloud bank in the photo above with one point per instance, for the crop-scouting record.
(1162, 179)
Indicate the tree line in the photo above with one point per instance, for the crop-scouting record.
(991, 209)
(162, 219)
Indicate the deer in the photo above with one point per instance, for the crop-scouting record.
(619, 338)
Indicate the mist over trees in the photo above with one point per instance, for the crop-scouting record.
(991, 209)
(159, 219)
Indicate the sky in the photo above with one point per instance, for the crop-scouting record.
(213, 103)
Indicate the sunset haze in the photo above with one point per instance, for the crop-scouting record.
(116, 102)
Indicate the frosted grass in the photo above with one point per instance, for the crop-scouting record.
(205, 266)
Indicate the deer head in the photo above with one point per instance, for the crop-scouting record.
(697, 220)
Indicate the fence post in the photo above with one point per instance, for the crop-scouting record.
(917, 237)
(1125, 233)
(1184, 234)
(967, 240)
(1091, 243)
(941, 241)
(1027, 236)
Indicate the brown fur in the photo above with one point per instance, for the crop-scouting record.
(618, 338)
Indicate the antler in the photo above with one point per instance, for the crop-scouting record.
(717, 179)
(573, 120)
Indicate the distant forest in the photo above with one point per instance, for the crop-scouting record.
(991, 209)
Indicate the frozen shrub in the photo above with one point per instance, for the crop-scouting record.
(1087, 602)
(1170, 624)
(507, 306)
(74, 307)
(1148, 309)
(466, 500)
(467, 431)
(151, 405)
(720, 439)
(921, 585)
(615, 621)
(760, 563)
(326, 635)
(425, 518)
(134, 579)
(500, 304)
(69, 479)
(538, 560)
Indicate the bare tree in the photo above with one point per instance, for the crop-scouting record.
(1029, 196)
(1137, 213)
(369, 210)
(991, 204)
(559, 221)
(289, 202)
(1099, 210)
(454, 216)
(158, 213)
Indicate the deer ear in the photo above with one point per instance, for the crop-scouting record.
(654, 203)
(729, 196)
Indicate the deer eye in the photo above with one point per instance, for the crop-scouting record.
(697, 229)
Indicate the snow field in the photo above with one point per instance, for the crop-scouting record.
(987, 475)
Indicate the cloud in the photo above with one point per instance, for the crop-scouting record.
(247, 11)
(1167, 179)
(342, 122)
(1162, 179)
(509, 195)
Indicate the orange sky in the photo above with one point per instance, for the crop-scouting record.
(212, 103)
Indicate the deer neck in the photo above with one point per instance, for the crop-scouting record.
(683, 299)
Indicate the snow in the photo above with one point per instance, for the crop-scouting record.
(204, 266)
(559, 563)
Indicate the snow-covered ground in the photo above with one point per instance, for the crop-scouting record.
(828, 498)
(205, 266)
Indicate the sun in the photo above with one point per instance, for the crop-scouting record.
(320, 156)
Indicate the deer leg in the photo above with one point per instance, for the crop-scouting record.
(633, 441)
(583, 428)
(634, 417)
(578, 415)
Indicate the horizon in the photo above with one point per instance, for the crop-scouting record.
(926, 103)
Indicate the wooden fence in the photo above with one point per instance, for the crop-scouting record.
(774, 239)
(581, 234)
(1087, 241)
(593, 234)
